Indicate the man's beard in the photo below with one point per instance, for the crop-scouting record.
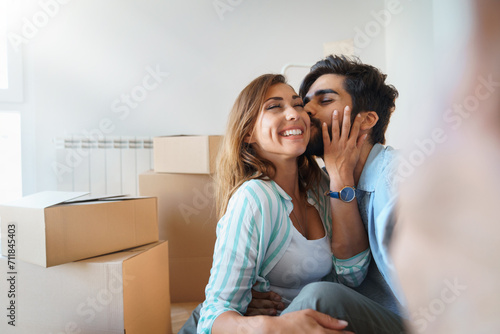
(315, 146)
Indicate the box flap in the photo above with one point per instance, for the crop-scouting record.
(88, 198)
(120, 256)
(92, 200)
(179, 135)
(44, 199)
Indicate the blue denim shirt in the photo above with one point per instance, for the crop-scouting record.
(376, 196)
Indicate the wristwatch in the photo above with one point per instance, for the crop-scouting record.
(346, 194)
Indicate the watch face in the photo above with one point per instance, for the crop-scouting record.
(347, 194)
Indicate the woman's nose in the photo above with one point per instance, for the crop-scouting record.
(292, 114)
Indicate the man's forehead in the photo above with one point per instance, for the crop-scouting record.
(327, 83)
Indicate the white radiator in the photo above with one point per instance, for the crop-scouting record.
(108, 165)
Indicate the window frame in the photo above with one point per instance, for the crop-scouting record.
(14, 92)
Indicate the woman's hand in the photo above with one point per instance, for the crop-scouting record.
(309, 321)
(298, 322)
(342, 148)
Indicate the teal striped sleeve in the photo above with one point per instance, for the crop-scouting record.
(352, 271)
(235, 260)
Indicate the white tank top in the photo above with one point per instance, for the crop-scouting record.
(304, 261)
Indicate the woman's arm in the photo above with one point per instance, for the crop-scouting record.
(235, 264)
(299, 322)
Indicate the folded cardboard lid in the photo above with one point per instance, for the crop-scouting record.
(122, 255)
(44, 199)
(185, 136)
(93, 200)
(88, 198)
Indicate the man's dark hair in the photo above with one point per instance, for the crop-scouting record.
(364, 83)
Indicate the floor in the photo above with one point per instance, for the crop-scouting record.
(180, 312)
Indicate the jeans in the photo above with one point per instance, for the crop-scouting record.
(363, 315)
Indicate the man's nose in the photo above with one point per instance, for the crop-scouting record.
(310, 110)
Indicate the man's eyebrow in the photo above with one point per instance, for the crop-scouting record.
(325, 91)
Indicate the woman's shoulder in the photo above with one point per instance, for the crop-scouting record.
(256, 186)
(260, 193)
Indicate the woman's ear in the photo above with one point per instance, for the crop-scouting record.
(370, 118)
(248, 139)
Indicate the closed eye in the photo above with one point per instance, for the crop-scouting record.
(273, 106)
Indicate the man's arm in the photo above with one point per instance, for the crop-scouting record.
(342, 150)
(265, 303)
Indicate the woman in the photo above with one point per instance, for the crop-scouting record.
(275, 229)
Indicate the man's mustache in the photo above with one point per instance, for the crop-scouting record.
(315, 122)
(315, 146)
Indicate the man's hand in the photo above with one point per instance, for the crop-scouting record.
(265, 303)
(342, 148)
(342, 152)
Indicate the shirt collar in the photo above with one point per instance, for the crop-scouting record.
(372, 168)
(280, 191)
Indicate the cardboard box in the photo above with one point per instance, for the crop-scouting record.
(123, 292)
(51, 231)
(187, 219)
(186, 154)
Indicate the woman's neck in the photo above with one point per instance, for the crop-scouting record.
(287, 177)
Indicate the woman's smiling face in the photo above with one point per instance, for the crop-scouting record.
(282, 128)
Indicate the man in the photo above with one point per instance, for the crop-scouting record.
(333, 84)
(340, 84)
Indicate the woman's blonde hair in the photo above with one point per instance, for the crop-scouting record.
(237, 161)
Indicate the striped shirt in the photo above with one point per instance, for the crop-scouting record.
(252, 237)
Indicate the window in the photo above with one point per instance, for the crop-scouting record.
(10, 121)
(11, 61)
(10, 151)
(4, 81)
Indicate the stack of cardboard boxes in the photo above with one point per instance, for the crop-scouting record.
(55, 278)
(182, 181)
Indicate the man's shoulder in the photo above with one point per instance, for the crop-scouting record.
(388, 162)
(378, 167)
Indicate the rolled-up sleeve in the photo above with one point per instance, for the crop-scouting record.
(352, 271)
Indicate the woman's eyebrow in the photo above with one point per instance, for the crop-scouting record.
(274, 98)
(277, 98)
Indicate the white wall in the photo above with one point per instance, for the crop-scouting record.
(424, 55)
(91, 52)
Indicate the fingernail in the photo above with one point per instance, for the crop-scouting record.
(324, 123)
(343, 323)
(358, 115)
(335, 112)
